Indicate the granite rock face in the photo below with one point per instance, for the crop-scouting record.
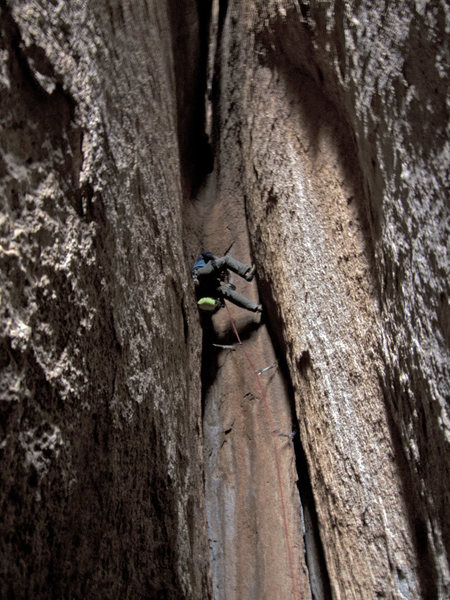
(328, 123)
(331, 133)
(101, 436)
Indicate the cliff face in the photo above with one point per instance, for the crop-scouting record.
(377, 260)
(328, 140)
(101, 432)
(328, 124)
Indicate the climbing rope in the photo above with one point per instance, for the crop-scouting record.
(296, 593)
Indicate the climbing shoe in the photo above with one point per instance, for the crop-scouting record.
(250, 273)
(259, 308)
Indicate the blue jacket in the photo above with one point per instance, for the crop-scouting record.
(201, 261)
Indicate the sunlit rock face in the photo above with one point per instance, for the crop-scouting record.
(101, 440)
(331, 131)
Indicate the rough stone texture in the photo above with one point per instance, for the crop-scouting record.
(101, 446)
(332, 130)
(329, 127)
(249, 549)
(389, 73)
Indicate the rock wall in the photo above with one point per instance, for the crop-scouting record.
(101, 480)
(389, 75)
(317, 106)
(328, 123)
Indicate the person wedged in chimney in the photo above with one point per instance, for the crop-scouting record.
(209, 274)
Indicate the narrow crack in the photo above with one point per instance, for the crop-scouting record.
(314, 555)
(220, 505)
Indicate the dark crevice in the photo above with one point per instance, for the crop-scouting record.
(190, 51)
(223, 9)
(304, 9)
(314, 553)
(220, 8)
(426, 567)
(185, 323)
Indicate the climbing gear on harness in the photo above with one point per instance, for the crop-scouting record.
(208, 304)
(225, 347)
(261, 371)
(288, 435)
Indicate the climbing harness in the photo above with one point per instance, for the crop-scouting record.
(287, 435)
(296, 592)
(223, 346)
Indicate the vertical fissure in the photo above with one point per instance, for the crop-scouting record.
(319, 581)
(190, 48)
(221, 420)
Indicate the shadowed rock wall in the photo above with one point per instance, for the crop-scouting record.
(101, 480)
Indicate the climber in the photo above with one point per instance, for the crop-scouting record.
(209, 274)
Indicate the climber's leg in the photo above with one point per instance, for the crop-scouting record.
(239, 299)
(228, 262)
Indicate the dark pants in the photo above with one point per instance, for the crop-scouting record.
(236, 298)
(214, 268)
(220, 264)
